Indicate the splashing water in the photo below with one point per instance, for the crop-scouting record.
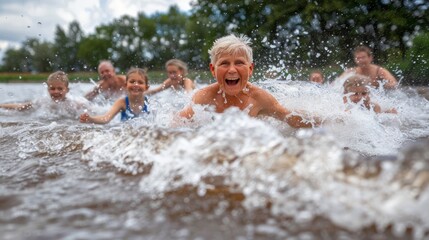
(359, 174)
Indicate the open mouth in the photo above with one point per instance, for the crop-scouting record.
(232, 82)
(136, 89)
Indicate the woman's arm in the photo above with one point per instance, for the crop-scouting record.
(188, 85)
(391, 80)
(166, 84)
(271, 107)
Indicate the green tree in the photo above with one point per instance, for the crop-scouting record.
(40, 55)
(170, 37)
(66, 45)
(93, 49)
(16, 60)
(417, 71)
(43, 56)
(316, 32)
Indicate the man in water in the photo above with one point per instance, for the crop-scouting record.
(363, 58)
(232, 65)
(110, 85)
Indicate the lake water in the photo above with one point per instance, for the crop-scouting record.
(227, 176)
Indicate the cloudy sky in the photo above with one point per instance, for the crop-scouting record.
(20, 19)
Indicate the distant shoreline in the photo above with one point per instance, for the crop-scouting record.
(154, 76)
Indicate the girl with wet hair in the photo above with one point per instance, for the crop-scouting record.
(134, 105)
(177, 80)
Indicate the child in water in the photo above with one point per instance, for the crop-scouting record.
(232, 66)
(131, 106)
(177, 71)
(356, 91)
(316, 76)
(58, 87)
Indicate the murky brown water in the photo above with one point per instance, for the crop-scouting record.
(227, 177)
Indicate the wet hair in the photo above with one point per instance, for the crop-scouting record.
(58, 76)
(356, 80)
(363, 48)
(105, 62)
(178, 63)
(231, 44)
(140, 71)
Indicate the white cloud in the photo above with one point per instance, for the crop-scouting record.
(21, 19)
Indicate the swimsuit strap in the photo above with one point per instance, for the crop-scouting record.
(146, 101)
(377, 75)
(127, 104)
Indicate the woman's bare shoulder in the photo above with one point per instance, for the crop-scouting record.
(206, 94)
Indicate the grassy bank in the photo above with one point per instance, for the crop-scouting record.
(157, 76)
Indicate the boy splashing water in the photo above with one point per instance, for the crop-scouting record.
(356, 91)
(58, 102)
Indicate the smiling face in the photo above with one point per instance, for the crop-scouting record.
(136, 84)
(174, 73)
(106, 71)
(232, 72)
(57, 90)
(316, 77)
(357, 93)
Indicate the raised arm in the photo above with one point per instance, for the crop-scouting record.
(17, 106)
(93, 93)
(391, 80)
(189, 85)
(166, 84)
(107, 117)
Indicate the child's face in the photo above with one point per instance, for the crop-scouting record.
(362, 59)
(136, 84)
(232, 72)
(356, 94)
(57, 90)
(174, 73)
(316, 77)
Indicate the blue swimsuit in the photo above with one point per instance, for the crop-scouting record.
(128, 113)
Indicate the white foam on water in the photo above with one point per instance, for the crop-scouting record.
(300, 174)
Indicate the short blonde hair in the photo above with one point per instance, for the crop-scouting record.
(356, 80)
(140, 71)
(58, 76)
(231, 44)
(178, 63)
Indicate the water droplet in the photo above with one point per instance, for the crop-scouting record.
(20, 77)
(39, 23)
(28, 27)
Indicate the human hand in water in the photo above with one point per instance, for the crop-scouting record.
(392, 110)
(85, 118)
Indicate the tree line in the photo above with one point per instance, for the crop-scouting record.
(290, 35)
